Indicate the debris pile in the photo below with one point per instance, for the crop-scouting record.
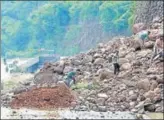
(137, 88)
(44, 98)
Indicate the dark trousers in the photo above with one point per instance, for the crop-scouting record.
(116, 68)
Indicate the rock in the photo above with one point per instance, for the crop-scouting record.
(91, 100)
(144, 53)
(160, 80)
(150, 94)
(19, 90)
(104, 73)
(140, 105)
(87, 59)
(154, 84)
(150, 108)
(76, 62)
(97, 55)
(123, 60)
(102, 108)
(99, 61)
(122, 87)
(100, 101)
(133, 97)
(67, 69)
(152, 71)
(144, 84)
(149, 44)
(131, 92)
(138, 27)
(132, 104)
(102, 95)
(130, 56)
(126, 66)
(157, 90)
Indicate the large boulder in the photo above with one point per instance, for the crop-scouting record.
(144, 53)
(99, 61)
(144, 84)
(126, 66)
(150, 94)
(138, 27)
(104, 73)
(123, 60)
(149, 44)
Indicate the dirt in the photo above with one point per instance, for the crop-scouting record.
(45, 98)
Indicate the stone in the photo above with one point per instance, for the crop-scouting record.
(102, 108)
(126, 66)
(138, 27)
(157, 90)
(144, 53)
(104, 73)
(150, 94)
(133, 97)
(144, 84)
(102, 95)
(154, 84)
(131, 92)
(132, 104)
(99, 61)
(123, 60)
(140, 105)
(149, 44)
(100, 101)
(152, 70)
(150, 108)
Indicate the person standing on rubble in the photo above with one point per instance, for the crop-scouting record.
(115, 61)
(158, 48)
(144, 36)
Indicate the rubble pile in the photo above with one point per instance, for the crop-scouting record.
(44, 98)
(137, 88)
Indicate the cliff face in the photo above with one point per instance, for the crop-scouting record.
(147, 10)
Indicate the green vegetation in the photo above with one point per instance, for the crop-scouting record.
(57, 25)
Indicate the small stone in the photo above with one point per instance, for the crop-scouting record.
(102, 95)
(102, 108)
(133, 97)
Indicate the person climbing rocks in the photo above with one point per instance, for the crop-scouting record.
(70, 78)
(143, 36)
(115, 61)
(158, 49)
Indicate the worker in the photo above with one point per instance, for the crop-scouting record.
(158, 49)
(70, 78)
(115, 61)
(143, 36)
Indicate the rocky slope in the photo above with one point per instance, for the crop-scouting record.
(147, 10)
(137, 88)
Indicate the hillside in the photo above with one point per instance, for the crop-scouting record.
(138, 87)
(65, 27)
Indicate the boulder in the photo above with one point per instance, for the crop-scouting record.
(154, 84)
(87, 59)
(104, 73)
(149, 44)
(100, 101)
(102, 108)
(68, 69)
(133, 97)
(126, 66)
(99, 61)
(144, 53)
(102, 95)
(150, 94)
(144, 84)
(138, 27)
(123, 60)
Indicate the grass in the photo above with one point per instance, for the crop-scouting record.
(85, 85)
